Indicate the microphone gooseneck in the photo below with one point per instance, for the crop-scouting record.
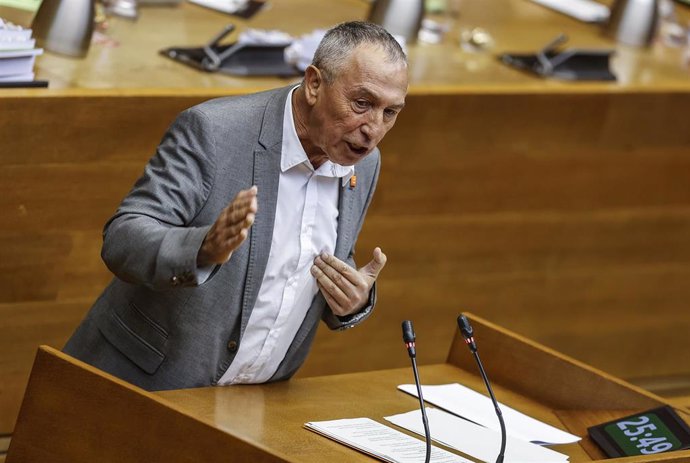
(409, 339)
(468, 334)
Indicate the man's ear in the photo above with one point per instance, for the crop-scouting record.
(313, 81)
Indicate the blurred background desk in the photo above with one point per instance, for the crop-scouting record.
(560, 210)
(516, 26)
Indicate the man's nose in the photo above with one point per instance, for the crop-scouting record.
(374, 128)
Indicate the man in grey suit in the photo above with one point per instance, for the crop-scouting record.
(239, 236)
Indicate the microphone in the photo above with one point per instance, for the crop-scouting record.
(468, 334)
(409, 339)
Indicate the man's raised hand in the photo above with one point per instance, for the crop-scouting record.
(230, 229)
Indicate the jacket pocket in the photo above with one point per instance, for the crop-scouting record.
(136, 336)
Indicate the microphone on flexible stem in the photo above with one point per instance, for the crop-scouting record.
(468, 335)
(409, 338)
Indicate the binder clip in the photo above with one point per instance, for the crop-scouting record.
(238, 58)
(568, 64)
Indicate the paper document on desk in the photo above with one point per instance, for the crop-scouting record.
(465, 402)
(475, 440)
(244, 9)
(226, 6)
(583, 10)
(380, 441)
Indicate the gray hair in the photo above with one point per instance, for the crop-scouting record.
(340, 41)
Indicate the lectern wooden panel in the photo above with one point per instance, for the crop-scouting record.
(75, 413)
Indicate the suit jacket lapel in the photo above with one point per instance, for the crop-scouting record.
(266, 177)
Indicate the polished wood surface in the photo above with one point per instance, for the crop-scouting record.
(525, 375)
(4, 445)
(682, 402)
(73, 413)
(559, 209)
(21, 326)
(68, 400)
(275, 414)
(520, 364)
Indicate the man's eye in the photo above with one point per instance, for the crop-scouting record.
(390, 112)
(362, 104)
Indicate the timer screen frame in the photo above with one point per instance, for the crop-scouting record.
(646, 433)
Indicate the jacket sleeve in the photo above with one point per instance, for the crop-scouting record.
(336, 322)
(149, 241)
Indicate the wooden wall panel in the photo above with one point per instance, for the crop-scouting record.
(562, 216)
(21, 326)
(82, 128)
(49, 196)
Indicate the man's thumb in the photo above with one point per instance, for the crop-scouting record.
(376, 264)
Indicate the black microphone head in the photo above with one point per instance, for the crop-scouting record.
(408, 331)
(465, 327)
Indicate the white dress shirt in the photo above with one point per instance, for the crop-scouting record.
(306, 224)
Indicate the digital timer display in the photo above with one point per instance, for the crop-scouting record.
(646, 433)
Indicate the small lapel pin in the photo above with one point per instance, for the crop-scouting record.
(353, 182)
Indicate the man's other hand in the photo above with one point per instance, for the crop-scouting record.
(346, 289)
(230, 229)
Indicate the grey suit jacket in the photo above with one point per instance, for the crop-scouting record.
(155, 325)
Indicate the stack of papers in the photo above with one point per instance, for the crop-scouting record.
(583, 10)
(226, 6)
(17, 53)
(380, 441)
(478, 408)
(474, 440)
(245, 9)
(470, 426)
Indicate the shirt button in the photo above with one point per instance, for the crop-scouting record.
(232, 346)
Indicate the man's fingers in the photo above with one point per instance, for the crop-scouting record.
(238, 210)
(332, 303)
(235, 240)
(245, 197)
(329, 286)
(338, 270)
(375, 265)
(230, 229)
(236, 231)
(249, 192)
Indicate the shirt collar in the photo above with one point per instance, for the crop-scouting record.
(293, 153)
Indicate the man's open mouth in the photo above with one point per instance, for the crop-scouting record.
(357, 149)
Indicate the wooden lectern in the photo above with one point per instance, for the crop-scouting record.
(75, 413)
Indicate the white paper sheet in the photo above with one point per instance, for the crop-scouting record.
(474, 440)
(465, 402)
(226, 6)
(584, 10)
(381, 441)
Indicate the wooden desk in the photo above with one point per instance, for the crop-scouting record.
(73, 413)
(516, 25)
(274, 415)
